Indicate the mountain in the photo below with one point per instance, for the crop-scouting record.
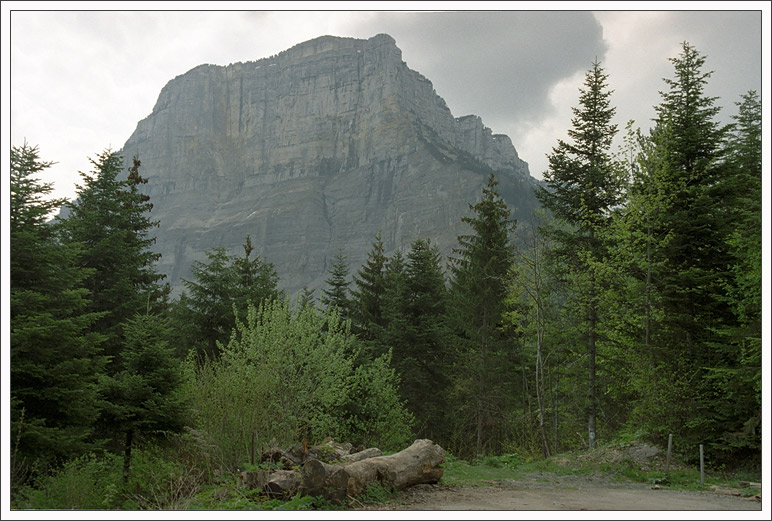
(311, 152)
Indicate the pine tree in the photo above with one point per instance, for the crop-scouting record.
(55, 359)
(583, 186)
(479, 290)
(336, 295)
(145, 397)
(367, 297)
(425, 360)
(220, 285)
(110, 220)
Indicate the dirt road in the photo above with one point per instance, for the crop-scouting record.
(550, 492)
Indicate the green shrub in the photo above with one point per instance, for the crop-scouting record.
(288, 375)
(89, 482)
(95, 482)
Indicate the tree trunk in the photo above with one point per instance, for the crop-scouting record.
(127, 455)
(419, 463)
(592, 319)
(591, 394)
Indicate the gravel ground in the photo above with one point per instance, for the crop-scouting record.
(552, 492)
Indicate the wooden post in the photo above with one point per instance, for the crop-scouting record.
(669, 452)
(252, 450)
(702, 468)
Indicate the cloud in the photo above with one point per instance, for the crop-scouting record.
(498, 65)
(82, 80)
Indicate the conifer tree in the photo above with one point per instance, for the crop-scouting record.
(393, 309)
(336, 295)
(55, 358)
(222, 283)
(583, 186)
(479, 290)
(738, 377)
(695, 257)
(145, 397)
(424, 359)
(110, 220)
(367, 296)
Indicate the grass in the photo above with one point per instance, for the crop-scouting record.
(95, 483)
(609, 462)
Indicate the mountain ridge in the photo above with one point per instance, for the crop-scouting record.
(311, 152)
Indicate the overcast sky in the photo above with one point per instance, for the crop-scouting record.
(81, 80)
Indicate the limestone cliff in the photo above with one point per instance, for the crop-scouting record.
(312, 152)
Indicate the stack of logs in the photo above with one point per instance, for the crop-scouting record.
(335, 471)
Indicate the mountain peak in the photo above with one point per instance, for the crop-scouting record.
(312, 150)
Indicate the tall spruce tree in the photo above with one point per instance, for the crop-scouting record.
(145, 397)
(221, 285)
(110, 219)
(479, 274)
(738, 378)
(367, 296)
(693, 259)
(695, 256)
(583, 185)
(420, 339)
(393, 308)
(336, 295)
(55, 357)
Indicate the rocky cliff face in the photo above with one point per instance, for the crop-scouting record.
(312, 152)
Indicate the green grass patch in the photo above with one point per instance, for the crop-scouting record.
(460, 472)
(609, 463)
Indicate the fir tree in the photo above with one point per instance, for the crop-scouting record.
(110, 220)
(144, 398)
(584, 185)
(221, 285)
(424, 358)
(694, 255)
(367, 297)
(479, 290)
(55, 359)
(336, 295)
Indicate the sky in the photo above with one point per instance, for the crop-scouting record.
(83, 74)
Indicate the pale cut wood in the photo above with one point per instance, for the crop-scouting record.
(417, 464)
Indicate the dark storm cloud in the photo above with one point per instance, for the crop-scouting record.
(499, 65)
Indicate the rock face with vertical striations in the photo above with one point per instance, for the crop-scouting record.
(311, 152)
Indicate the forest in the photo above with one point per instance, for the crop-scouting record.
(630, 306)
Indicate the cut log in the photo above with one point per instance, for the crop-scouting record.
(419, 463)
(282, 484)
(362, 454)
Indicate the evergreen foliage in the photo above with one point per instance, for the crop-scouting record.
(418, 332)
(478, 289)
(109, 219)
(367, 297)
(144, 399)
(223, 287)
(336, 295)
(55, 356)
(583, 186)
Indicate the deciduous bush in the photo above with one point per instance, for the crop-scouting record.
(288, 375)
